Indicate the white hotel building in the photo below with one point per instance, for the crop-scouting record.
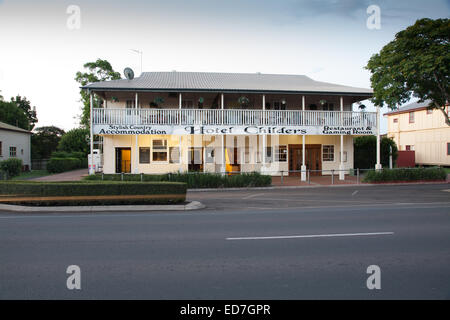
(165, 122)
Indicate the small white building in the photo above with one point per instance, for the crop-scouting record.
(15, 142)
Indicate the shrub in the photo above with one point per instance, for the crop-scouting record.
(365, 149)
(57, 165)
(196, 180)
(405, 174)
(91, 193)
(12, 167)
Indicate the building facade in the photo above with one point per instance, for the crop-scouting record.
(221, 122)
(415, 127)
(15, 143)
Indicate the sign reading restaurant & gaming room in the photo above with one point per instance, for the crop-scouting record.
(222, 129)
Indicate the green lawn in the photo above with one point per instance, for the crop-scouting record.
(31, 174)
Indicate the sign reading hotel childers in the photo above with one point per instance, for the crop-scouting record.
(222, 129)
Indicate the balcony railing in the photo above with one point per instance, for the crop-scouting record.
(232, 117)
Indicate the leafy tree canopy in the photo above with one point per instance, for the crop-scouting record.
(75, 140)
(11, 114)
(416, 63)
(100, 70)
(25, 106)
(44, 141)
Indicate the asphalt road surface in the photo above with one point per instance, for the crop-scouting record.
(310, 243)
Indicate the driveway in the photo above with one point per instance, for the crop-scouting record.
(74, 175)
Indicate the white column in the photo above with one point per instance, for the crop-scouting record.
(136, 144)
(264, 137)
(180, 155)
(341, 165)
(378, 164)
(222, 165)
(179, 107)
(303, 167)
(91, 134)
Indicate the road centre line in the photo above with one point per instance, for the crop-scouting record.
(314, 236)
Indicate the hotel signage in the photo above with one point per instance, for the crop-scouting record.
(221, 130)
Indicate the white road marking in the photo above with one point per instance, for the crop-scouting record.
(354, 192)
(252, 196)
(315, 236)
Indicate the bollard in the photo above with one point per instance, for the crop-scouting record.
(142, 177)
(121, 176)
(309, 176)
(103, 176)
(357, 176)
(332, 176)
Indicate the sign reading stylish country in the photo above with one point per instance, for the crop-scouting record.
(223, 130)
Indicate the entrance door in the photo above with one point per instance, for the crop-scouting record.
(123, 160)
(195, 159)
(295, 159)
(313, 158)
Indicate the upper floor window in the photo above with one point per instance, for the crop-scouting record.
(12, 151)
(131, 103)
(411, 117)
(395, 120)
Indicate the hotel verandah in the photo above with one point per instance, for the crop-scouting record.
(165, 122)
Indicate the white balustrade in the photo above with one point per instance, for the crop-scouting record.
(232, 117)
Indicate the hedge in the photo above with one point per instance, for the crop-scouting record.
(57, 165)
(195, 180)
(413, 174)
(91, 193)
(12, 167)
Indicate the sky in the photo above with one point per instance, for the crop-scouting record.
(41, 48)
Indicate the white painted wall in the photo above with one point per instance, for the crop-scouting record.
(19, 140)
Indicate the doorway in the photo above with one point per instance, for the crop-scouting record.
(295, 159)
(123, 160)
(195, 159)
(313, 159)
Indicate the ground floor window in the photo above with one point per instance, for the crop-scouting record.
(209, 155)
(12, 151)
(328, 153)
(144, 155)
(159, 152)
(269, 154)
(174, 155)
(281, 153)
(448, 148)
(1, 149)
(409, 148)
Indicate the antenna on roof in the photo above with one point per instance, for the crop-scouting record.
(128, 73)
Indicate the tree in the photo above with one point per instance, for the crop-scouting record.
(75, 140)
(416, 63)
(365, 151)
(11, 114)
(100, 70)
(1, 97)
(25, 106)
(44, 141)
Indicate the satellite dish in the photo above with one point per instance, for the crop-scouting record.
(128, 73)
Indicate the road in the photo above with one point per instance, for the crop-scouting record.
(310, 243)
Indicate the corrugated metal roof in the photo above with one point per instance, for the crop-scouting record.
(410, 106)
(208, 81)
(9, 127)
